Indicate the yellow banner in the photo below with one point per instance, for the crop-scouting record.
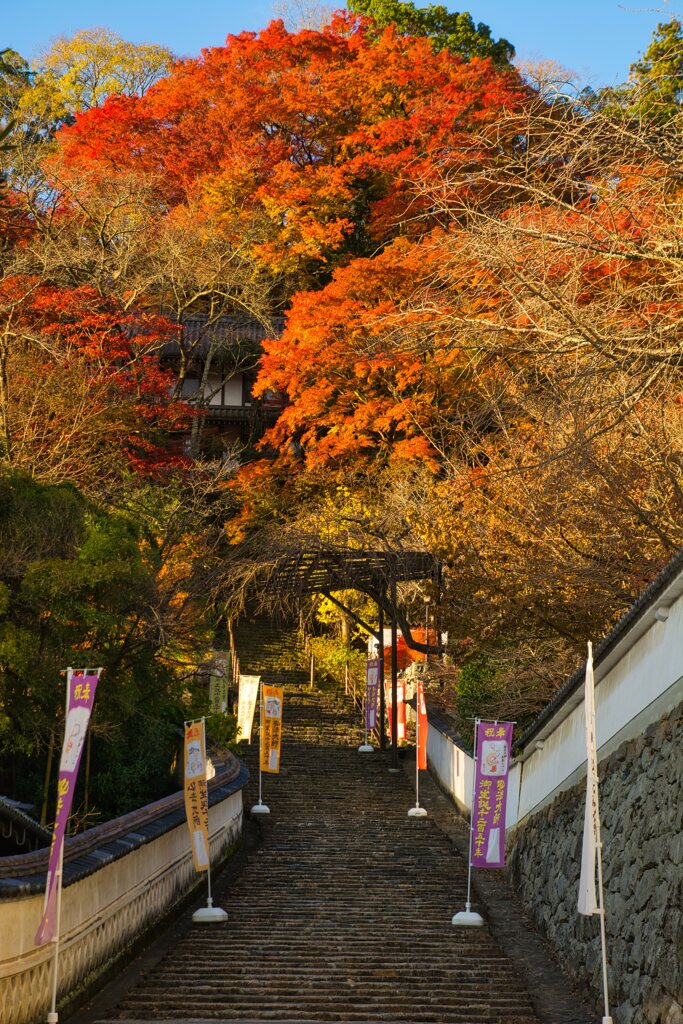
(271, 728)
(196, 795)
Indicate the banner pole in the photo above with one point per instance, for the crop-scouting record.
(53, 1016)
(366, 747)
(260, 741)
(417, 811)
(603, 937)
(208, 914)
(417, 748)
(468, 904)
(209, 901)
(469, 917)
(260, 807)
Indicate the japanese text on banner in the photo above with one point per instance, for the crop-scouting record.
(493, 744)
(271, 728)
(81, 699)
(372, 671)
(248, 693)
(196, 794)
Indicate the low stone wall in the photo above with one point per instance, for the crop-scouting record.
(119, 879)
(641, 813)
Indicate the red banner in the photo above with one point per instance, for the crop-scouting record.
(400, 709)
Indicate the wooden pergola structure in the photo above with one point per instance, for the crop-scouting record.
(325, 570)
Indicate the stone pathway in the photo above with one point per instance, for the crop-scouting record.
(342, 912)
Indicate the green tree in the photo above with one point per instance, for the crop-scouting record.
(14, 80)
(78, 586)
(654, 88)
(656, 80)
(448, 30)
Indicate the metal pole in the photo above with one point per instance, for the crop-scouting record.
(209, 901)
(417, 744)
(365, 713)
(260, 738)
(394, 679)
(468, 904)
(208, 914)
(382, 701)
(417, 811)
(603, 938)
(53, 1016)
(260, 807)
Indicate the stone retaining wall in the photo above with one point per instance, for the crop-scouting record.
(641, 811)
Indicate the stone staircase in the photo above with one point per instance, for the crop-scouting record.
(342, 912)
(274, 651)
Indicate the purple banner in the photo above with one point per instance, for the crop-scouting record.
(81, 698)
(493, 744)
(372, 670)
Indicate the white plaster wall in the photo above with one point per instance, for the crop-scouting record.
(101, 914)
(232, 390)
(224, 392)
(452, 767)
(643, 685)
(213, 389)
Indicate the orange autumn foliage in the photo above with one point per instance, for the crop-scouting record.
(84, 395)
(324, 133)
(351, 395)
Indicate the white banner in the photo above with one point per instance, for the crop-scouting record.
(587, 903)
(248, 695)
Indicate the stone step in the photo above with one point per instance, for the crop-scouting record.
(343, 912)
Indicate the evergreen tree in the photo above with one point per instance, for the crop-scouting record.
(654, 88)
(452, 31)
(656, 80)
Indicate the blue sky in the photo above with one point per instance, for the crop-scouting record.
(596, 38)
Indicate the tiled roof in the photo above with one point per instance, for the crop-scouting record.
(225, 332)
(11, 811)
(25, 874)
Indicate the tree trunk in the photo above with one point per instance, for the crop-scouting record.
(5, 432)
(48, 772)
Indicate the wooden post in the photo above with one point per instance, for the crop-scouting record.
(312, 669)
(48, 772)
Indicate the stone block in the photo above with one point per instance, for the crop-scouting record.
(626, 1014)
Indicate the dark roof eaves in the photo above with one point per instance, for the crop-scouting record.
(8, 810)
(115, 846)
